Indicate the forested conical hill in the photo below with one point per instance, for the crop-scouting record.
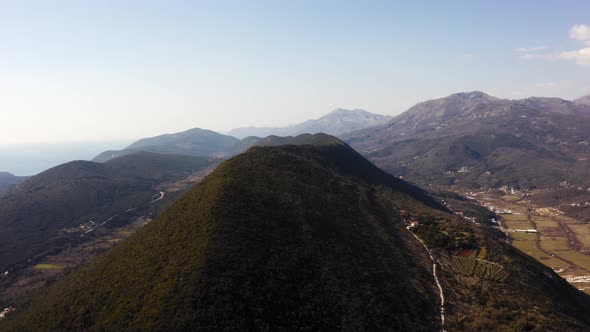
(274, 238)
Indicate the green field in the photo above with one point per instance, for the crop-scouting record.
(511, 198)
(547, 225)
(48, 267)
(124, 232)
(526, 243)
(577, 258)
(553, 240)
(582, 233)
(516, 221)
(554, 243)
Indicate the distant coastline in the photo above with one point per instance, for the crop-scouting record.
(31, 159)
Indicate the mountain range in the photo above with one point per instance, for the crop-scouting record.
(466, 141)
(310, 237)
(337, 122)
(473, 140)
(202, 142)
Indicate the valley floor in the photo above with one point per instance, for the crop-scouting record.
(545, 233)
(82, 244)
(35, 275)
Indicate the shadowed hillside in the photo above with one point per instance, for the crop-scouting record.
(33, 216)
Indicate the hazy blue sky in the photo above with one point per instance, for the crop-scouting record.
(106, 70)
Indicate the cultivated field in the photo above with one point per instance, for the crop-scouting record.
(48, 267)
(560, 242)
(51, 267)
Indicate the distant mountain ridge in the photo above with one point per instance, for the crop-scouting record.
(203, 142)
(8, 180)
(436, 139)
(583, 100)
(337, 122)
(193, 142)
(475, 140)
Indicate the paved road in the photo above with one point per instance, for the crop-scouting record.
(162, 194)
(157, 199)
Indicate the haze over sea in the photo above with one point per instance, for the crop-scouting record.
(30, 159)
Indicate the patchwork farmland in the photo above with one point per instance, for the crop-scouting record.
(545, 233)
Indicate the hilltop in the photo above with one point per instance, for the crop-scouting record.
(303, 139)
(193, 142)
(306, 237)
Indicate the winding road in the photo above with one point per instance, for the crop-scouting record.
(440, 289)
(162, 194)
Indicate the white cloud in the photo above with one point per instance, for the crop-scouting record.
(539, 56)
(530, 49)
(581, 56)
(580, 32)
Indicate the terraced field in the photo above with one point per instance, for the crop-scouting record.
(480, 268)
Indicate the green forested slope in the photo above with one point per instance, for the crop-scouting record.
(33, 215)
